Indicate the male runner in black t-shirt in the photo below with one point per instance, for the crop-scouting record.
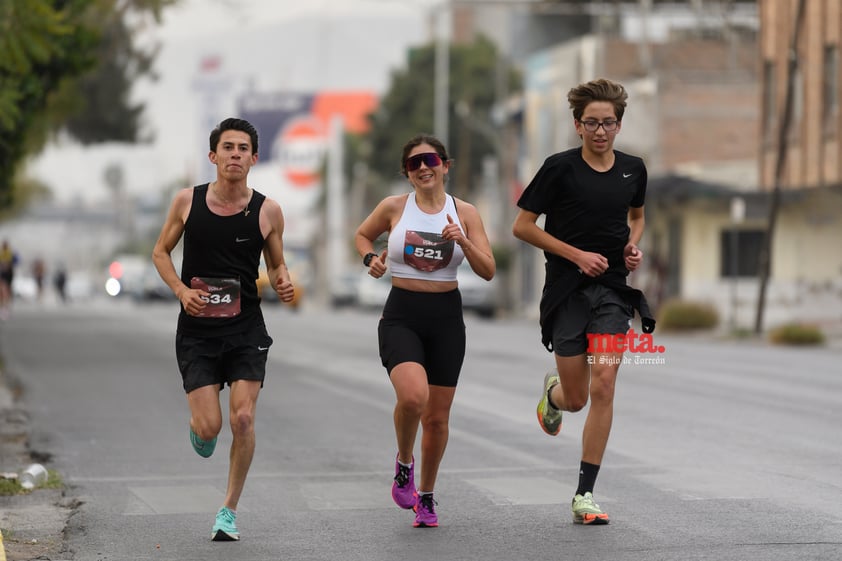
(592, 197)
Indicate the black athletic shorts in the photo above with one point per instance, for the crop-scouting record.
(205, 361)
(594, 309)
(427, 328)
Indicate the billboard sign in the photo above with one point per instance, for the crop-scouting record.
(293, 130)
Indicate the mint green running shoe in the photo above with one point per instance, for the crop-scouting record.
(586, 511)
(204, 448)
(225, 528)
(548, 416)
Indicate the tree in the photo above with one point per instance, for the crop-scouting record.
(476, 72)
(46, 49)
(39, 46)
(103, 108)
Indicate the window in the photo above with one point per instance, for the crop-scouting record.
(797, 105)
(769, 102)
(830, 89)
(740, 251)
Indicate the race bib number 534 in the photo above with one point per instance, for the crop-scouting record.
(224, 299)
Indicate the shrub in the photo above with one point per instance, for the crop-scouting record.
(682, 315)
(796, 334)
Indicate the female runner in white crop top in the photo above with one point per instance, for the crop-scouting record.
(421, 333)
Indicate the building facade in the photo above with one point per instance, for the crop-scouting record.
(814, 138)
(696, 115)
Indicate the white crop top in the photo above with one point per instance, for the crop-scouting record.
(416, 248)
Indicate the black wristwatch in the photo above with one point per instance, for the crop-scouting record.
(368, 257)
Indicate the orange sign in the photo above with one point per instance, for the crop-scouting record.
(302, 148)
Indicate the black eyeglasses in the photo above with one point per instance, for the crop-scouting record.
(430, 159)
(608, 125)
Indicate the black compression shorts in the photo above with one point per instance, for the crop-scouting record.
(426, 328)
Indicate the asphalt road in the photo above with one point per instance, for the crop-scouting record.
(726, 451)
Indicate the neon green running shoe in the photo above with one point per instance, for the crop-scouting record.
(586, 511)
(225, 528)
(204, 448)
(548, 416)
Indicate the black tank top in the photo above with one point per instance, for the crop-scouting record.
(226, 247)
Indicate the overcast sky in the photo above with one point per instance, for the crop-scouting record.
(262, 45)
(192, 17)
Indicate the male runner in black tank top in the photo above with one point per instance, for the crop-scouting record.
(221, 337)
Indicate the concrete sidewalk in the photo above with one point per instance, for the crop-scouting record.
(32, 524)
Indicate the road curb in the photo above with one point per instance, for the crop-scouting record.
(35, 521)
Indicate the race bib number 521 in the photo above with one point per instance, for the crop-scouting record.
(224, 299)
(426, 251)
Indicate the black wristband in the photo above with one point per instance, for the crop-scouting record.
(368, 257)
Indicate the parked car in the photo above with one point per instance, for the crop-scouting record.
(372, 292)
(344, 288)
(478, 294)
(125, 275)
(267, 294)
(152, 286)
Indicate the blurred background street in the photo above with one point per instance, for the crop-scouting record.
(735, 107)
(743, 206)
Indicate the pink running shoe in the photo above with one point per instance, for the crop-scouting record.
(425, 512)
(403, 487)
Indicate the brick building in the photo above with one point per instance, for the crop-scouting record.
(814, 157)
(706, 112)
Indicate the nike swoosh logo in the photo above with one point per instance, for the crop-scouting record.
(241, 240)
(259, 348)
(626, 175)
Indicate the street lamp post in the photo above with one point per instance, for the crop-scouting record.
(442, 72)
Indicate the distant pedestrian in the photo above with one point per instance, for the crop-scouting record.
(592, 197)
(38, 272)
(60, 282)
(421, 332)
(8, 262)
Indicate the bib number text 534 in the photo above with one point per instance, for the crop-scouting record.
(217, 299)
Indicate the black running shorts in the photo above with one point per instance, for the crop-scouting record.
(427, 328)
(205, 361)
(593, 309)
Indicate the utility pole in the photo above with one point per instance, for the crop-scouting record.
(780, 166)
(336, 247)
(442, 73)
